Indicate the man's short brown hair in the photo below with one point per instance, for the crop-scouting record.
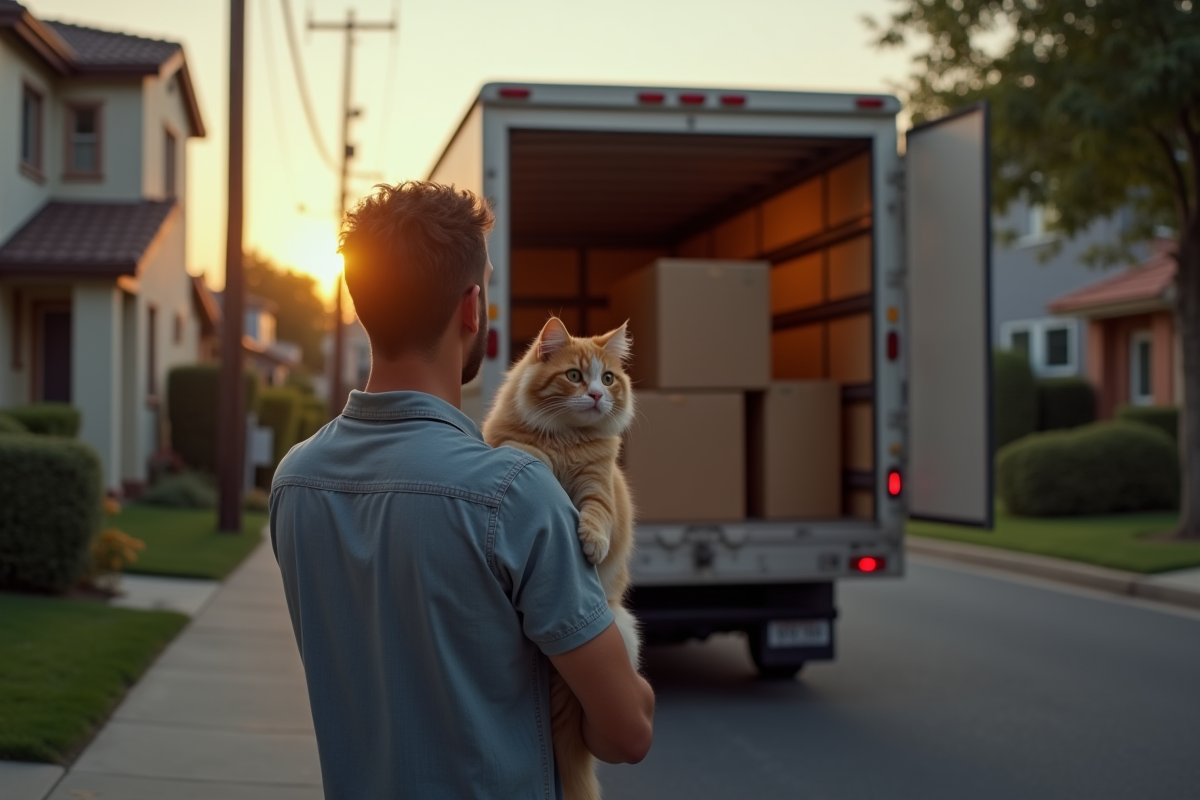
(411, 251)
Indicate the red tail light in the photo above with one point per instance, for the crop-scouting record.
(893, 345)
(493, 344)
(733, 100)
(651, 97)
(868, 563)
(869, 102)
(895, 483)
(691, 99)
(514, 92)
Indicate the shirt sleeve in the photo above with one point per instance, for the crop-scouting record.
(553, 587)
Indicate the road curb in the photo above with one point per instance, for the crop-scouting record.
(1130, 584)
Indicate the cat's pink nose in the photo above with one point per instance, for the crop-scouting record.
(597, 396)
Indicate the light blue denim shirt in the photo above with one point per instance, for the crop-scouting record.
(427, 577)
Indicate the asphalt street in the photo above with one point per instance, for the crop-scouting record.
(949, 683)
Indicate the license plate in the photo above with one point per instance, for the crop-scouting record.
(798, 633)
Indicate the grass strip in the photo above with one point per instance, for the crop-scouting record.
(185, 542)
(64, 665)
(1130, 542)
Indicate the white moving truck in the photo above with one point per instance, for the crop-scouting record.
(879, 281)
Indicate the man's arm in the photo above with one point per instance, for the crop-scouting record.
(618, 704)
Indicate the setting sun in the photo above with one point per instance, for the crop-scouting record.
(312, 248)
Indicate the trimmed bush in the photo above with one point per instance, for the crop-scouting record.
(50, 419)
(1016, 397)
(189, 490)
(1101, 468)
(313, 417)
(10, 425)
(1065, 403)
(280, 410)
(1164, 418)
(192, 407)
(51, 490)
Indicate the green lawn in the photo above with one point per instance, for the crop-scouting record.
(64, 664)
(1117, 541)
(185, 542)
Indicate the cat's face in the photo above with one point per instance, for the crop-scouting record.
(577, 383)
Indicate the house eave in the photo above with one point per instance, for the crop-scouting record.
(1148, 305)
(44, 42)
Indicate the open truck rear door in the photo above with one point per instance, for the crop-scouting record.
(949, 319)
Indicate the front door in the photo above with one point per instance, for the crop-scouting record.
(54, 358)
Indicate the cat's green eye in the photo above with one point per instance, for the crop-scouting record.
(574, 375)
(609, 379)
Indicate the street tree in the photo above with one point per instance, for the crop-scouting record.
(301, 316)
(1095, 109)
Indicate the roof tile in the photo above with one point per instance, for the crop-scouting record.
(84, 238)
(98, 48)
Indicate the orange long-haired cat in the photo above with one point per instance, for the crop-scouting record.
(567, 402)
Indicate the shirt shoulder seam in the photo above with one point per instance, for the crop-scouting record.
(381, 487)
(494, 516)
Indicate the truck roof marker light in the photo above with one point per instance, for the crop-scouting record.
(893, 345)
(514, 92)
(868, 563)
(895, 483)
(691, 99)
(651, 97)
(493, 343)
(869, 102)
(733, 99)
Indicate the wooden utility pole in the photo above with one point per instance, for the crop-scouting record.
(231, 416)
(337, 393)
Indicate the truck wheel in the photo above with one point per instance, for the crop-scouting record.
(773, 671)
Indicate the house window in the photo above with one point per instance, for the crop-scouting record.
(83, 140)
(152, 352)
(169, 185)
(31, 129)
(1141, 383)
(1051, 345)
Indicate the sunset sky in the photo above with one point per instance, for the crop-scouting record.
(413, 87)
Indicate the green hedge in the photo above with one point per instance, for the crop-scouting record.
(51, 490)
(1101, 468)
(1016, 397)
(280, 410)
(1065, 403)
(192, 408)
(10, 425)
(1165, 418)
(313, 417)
(52, 419)
(189, 490)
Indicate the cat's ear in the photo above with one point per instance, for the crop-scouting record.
(617, 343)
(554, 337)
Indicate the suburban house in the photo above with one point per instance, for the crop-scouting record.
(96, 304)
(1024, 284)
(270, 357)
(1132, 339)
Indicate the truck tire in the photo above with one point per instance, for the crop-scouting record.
(774, 671)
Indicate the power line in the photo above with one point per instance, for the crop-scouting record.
(302, 86)
(276, 112)
(389, 86)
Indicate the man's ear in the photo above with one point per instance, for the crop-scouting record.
(553, 338)
(469, 310)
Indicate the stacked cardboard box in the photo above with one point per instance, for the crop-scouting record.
(715, 440)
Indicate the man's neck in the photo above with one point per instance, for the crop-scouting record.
(410, 373)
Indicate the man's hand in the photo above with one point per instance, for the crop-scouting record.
(618, 704)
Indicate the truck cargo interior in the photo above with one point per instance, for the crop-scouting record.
(589, 208)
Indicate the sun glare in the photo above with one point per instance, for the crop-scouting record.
(312, 249)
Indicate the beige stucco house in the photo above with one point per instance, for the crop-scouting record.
(95, 300)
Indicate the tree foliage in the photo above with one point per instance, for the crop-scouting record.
(1095, 103)
(301, 316)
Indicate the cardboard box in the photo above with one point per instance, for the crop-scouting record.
(685, 457)
(698, 324)
(795, 451)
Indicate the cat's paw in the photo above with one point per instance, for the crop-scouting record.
(594, 539)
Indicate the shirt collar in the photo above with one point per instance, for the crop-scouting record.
(382, 406)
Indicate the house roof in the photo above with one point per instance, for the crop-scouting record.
(206, 304)
(1145, 287)
(85, 239)
(78, 51)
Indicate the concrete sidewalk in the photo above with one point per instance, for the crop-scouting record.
(222, 714)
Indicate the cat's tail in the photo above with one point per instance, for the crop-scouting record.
(576, 764)
(627, 624)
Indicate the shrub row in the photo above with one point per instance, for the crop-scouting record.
(1164, 418)
(50, 509)
(1025, 404)
(192, 408)
(1100, 468)
(52, 419)
(10, 425)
